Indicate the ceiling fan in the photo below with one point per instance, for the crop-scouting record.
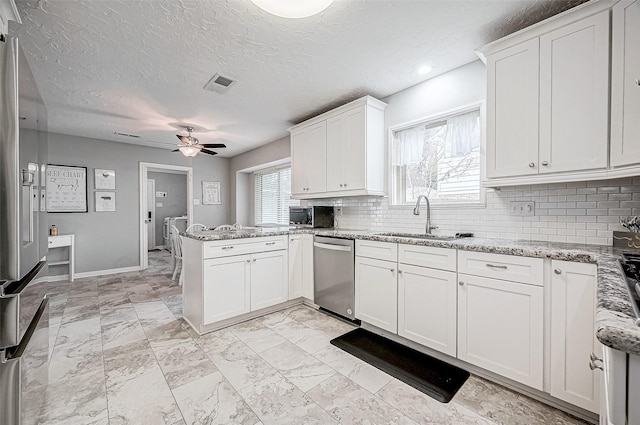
(191, 146)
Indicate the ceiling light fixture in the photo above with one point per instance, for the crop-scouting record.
(293, 8)
(425, 69)
(189, 151)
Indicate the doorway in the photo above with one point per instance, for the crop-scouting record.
(149, 204)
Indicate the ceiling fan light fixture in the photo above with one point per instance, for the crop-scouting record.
(189, 151)
(293, 8)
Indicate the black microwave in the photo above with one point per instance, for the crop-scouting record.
(311, 216)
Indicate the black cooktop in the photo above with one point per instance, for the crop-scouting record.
(631, 267)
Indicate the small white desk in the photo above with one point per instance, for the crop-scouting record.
(62, 241)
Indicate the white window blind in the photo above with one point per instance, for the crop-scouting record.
(273, 196)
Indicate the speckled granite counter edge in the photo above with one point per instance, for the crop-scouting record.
(615, 319)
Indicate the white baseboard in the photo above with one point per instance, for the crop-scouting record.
(60, 277)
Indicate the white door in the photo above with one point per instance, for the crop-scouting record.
(500, 327)
(346, 151)
(269, 283)
(227, 288)
(574, 96)
(150, 218)
(512, 111)
(427, 307)
(573, 336)
(309, 158)
(625, 85)
(377, 293)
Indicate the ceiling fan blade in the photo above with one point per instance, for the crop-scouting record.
(208, 152)
(176, 150)
(183, 139)
(214, 145)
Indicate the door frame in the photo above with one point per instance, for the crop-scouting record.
(152, 209)
(145, 167)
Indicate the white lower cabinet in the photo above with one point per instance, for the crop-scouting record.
(301, 266)
(377, 292)
(573, 307)
(427, 307)
(269, 283)
(500, 327)
(227, 288)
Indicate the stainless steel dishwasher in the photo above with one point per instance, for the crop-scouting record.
(333, 274)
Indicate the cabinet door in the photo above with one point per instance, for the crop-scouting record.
(377, 293)
(346, 151)
(625, 84)
(500, 327)
(269, 283)
(226, 290)
(309, 158)
(574, 96)
(573, 311)
(296, 267)
(512, 111)
(307, 266)
(427, 307)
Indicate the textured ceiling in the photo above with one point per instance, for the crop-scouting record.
(138, 66)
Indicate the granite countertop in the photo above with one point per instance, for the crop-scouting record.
(615, 319)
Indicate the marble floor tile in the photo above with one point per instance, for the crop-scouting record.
(70, 361)
(276, 319)
(363, 374)
(215, 340)
(256, 335)
(72, 403)
(83, 289)
(426, 410)
(277, 401)
(153, 313)
(166, 332)
(309, 316)
(79, 331)
(240, 365)
(144, 399)
(212, 400)
(174, 304)
(300, 368)
(119, 327)
(351, 404)
(128, 361)
(507, 407)
(112, 301)
(336, 328)
(183, 362)
(78, 309)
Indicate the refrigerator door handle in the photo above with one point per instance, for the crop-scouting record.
(18, 351)
(16, 287)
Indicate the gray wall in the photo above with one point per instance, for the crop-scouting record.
(175, 204)
(241, 184)
(110, 240)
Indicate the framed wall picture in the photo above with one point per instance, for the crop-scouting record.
(104, 179)
(210, 193)
(105, 201)
(66, 189)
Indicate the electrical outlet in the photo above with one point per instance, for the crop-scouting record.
(521, 208)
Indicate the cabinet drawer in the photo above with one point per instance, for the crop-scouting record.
(227, 248)
(58, 241)
(499, 266)
(427, 256)
(380, 250)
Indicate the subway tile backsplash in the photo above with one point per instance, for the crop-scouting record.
(577, 212)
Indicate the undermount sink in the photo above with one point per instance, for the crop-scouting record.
(416, 236)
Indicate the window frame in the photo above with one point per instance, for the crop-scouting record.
(392, 184)
(263, 171)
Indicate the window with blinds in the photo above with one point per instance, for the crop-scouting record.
(273, 196)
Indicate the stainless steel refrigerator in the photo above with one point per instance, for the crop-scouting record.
(24, 314)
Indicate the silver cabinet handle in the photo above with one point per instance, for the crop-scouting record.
(224, 248)
(399, 271)
(557, 271)
(545, 163)
(637, 81)
(594, 366)
(254, 260)
(532, 164)
(392, 270)
(495, 266)
(345, 185)
(594, 358)
(270, 243)
(341, 185)
(461, 283)
(248, 261)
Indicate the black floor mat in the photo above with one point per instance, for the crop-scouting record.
(433, 377)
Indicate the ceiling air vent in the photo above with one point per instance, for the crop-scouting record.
(219, 83)
(117, 133)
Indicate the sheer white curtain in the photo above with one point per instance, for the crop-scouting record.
(463, 134)
(408, 145)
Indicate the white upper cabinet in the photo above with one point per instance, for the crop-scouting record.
(574, 95)
(512, 125)
(308, 150)
(340, 153)
(625, 85)
(548, 100)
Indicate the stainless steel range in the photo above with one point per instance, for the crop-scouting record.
(24, 314)
(631, 267)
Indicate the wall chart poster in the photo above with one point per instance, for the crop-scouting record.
(210, 193)
(66, 188)
(105, 201)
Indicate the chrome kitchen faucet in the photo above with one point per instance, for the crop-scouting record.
(416, 211)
